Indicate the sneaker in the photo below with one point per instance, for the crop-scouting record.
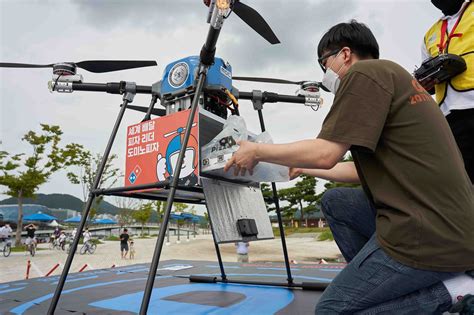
(465, 306)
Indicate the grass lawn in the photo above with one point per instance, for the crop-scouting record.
(325, 232)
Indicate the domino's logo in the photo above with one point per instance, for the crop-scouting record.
(132, 178)
(134, 174)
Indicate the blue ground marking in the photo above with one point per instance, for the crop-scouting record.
(226, 267)
(130, 268)
(173, 265)
(269, 268)
(327, 280)
(331, 270)
(11, 290)
(20, 283)
(77, 279)
(121, 272)
(4, 286)
(72, 277)
(275, 299)
(25, 306)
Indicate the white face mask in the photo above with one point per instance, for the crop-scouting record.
(331, 79)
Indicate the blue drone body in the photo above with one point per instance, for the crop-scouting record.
(177, 87)
(181, 75)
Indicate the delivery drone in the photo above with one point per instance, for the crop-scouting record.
(198, 90)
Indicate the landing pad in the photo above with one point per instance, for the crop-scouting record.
(120, 290)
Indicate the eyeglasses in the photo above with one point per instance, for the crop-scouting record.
(322, 59)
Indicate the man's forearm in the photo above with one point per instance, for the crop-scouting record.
(344, 172)
(314, 153)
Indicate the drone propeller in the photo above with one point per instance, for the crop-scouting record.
(255, 21)
(96, 66)
(268, 80)
(281, 81)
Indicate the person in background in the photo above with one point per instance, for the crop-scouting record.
(453, 33)
(5, 232)
(31, 234)
(132, 249)
(56, 233)
(62, 240)
(124, 243)
(87, 237)
(242, 252)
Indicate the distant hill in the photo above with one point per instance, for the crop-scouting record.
(62, 201)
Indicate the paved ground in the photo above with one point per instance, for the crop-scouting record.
(119, 291)
(301, 249)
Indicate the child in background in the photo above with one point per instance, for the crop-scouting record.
(132, 250)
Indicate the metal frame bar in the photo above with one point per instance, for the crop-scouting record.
(127, 98)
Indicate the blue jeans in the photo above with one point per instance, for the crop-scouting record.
(373, 282)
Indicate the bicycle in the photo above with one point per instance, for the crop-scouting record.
(31, 246)
(55, 244)
(88, 247)
(69, 241)
(7, 247)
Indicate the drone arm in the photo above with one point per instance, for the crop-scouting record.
(110, 87)
(270, 97)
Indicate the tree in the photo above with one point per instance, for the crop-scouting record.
(303, 193)
(160, 209)
(143, 214)
(180, 207)
(126, 206)
(22, 174)
(267, 193)
(88, 166)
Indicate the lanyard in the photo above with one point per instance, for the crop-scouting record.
(444, 30)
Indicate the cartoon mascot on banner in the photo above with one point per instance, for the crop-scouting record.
(166, 164)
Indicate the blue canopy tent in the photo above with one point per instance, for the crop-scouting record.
(191, 217)
(176, 216)
(187, 215)
(41, 217)
(104, 221)
(76, 219)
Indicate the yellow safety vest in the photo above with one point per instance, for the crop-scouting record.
(459, 45)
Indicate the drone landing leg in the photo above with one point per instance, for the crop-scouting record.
(278, 212)
(161, 236)
(218, 252)
(130, 90)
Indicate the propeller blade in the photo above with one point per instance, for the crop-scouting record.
(279, 81)
(97, 66)
(255, 21)
(101, 66)
(143, 109)
(22, 65)
(267, 80)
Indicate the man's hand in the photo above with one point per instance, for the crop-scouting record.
(295, 172)
(244, 159)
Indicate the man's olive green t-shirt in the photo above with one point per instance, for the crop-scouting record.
(409, 166)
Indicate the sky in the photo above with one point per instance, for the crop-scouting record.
(46, 31)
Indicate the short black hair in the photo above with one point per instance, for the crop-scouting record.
(357, 36)
(125, 230)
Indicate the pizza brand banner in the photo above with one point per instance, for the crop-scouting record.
(153, 148)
